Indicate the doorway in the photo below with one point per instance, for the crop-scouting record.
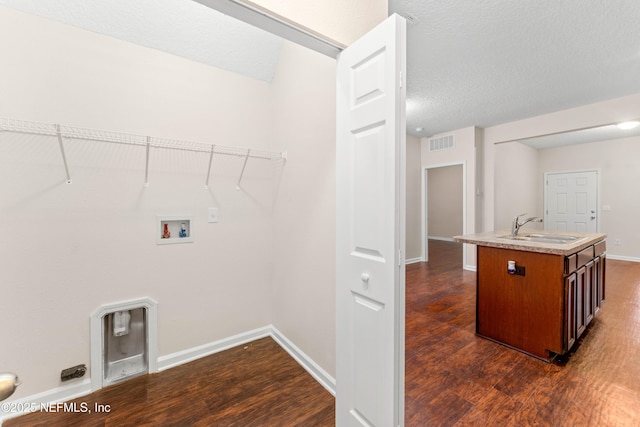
(444, 208)
(571, 201)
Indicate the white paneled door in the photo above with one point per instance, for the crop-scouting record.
(370, 165)
(571, 201)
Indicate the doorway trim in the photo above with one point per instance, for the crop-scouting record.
(425, 200)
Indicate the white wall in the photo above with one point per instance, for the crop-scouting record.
(342, 21)
(617, 162)
(445, 207)
(587, 116)
(67, 249)
(414, 199)
(304, 212)
(70, 248)
(517, 184)
(592, 115)
(464, 152)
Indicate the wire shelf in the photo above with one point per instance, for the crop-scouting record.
(62, 132)
(69, 132)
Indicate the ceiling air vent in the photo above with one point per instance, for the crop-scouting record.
(441, 143)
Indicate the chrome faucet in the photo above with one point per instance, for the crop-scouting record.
(516, 224)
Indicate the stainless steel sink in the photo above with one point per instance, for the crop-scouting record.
(543, 238)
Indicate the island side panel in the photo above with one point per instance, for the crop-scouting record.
(524, 312)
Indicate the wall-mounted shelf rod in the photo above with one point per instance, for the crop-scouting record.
(69, 132)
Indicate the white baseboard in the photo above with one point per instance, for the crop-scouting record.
(470, 267)
(320, 375)
(79, 389)
(39, 401)
(622, 258)
(184, 356)
(413, 260)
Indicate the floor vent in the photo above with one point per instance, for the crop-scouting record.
(441, 143)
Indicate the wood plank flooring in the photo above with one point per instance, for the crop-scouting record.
(256, 384)
(453, 378)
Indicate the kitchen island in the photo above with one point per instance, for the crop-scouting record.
(537, 292)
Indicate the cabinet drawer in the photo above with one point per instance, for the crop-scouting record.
(585, 255)
(600, 248)
(570, 263)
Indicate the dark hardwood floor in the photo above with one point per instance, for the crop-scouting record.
(453, 378)
(256, 384)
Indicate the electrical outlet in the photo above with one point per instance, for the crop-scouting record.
(73, 372)
(617, 242)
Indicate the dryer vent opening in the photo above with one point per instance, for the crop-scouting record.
(124, 341)
(125, 345)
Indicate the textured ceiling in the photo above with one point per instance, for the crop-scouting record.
(470, 62)
(180, 27)
(487, 62)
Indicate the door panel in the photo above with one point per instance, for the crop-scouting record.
(572, 201)
(570, 290)
(581, 284)
(370, 203)
(367, 215)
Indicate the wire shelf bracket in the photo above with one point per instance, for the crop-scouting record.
(146, 166)
(206, 181)
(244, 165)
(62, 132)
(64, 156)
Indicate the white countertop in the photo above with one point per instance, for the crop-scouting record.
(493, 239)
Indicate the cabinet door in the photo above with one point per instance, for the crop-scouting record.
(589, 292)
(600, 277)
(570, 286)
(596, 278)
(581, 281)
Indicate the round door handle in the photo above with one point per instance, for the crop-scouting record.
(593, 217)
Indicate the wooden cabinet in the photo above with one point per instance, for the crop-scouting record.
(599, 270)
(544, 310)
(581, 320)
(570, 288)
(587, 277)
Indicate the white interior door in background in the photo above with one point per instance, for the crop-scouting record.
(571, 201)
(370, 243)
